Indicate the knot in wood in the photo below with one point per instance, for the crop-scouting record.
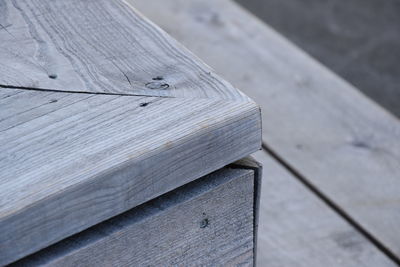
(157, 85)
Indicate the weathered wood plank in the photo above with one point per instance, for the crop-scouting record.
(298, 229)
(208, 222)
(338, 139)
(69, 161)
(251, 164)
(98, 46)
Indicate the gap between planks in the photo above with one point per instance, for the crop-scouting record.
(331, 204)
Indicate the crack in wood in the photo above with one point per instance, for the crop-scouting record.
(75, 92)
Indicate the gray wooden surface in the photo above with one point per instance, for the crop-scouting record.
(98, 46)
(69, 164)
(357, 39)
(342, 142)
(297, 229)
(251, 164)
(74, 150)
(208, 222)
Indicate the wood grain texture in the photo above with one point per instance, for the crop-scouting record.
(250, 163)
(343, 143)
(100, 112)
(297, 229)
(98, 46)
(69, 161)
(215, 219)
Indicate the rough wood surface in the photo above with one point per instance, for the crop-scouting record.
(297, 229)
(98, 46)
(208, 222)
(69, 161)
(250, 163)
(93, 97)
(342, 142)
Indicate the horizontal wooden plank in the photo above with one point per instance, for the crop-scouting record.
(214, 216)
(98, 46)
(69, 161)
(342, 142)
(297, 229)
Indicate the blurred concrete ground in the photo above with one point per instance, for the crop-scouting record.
(357, 39)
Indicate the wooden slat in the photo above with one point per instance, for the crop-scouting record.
(69, 161)
(208, 222)
(298, 229)
(338, 139)
(98, 46)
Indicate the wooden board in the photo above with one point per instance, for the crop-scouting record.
(297, 229)
(98, 46)
(251, 164)
(342, 142)
(208, 222)
(79, 147)
(69, 164)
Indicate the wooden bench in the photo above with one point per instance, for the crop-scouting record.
(101, 111)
